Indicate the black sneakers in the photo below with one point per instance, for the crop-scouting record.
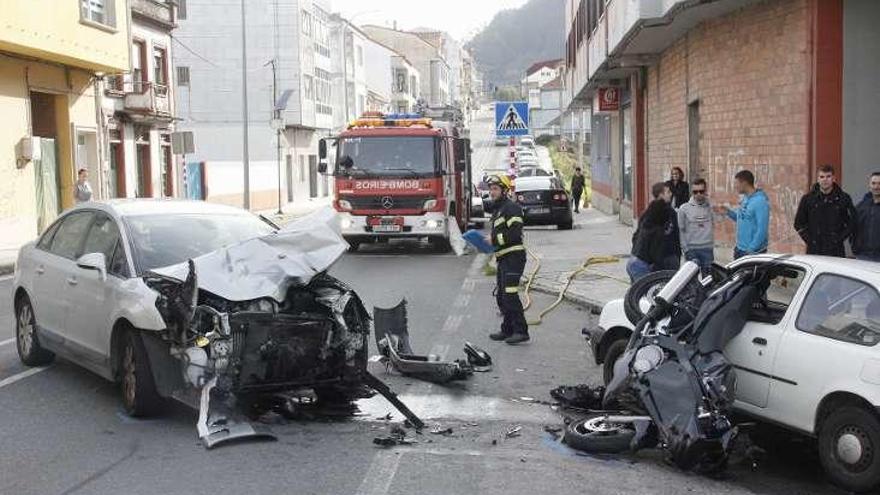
(499, 336)
(517, 338)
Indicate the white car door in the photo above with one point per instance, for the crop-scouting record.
(52, 276)
(754, 350)
(831, 346)
(92, 298)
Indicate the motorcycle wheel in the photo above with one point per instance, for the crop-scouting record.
(593, 434)
(640, 295)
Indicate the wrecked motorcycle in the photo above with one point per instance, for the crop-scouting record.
(259, 321)
(672, 387)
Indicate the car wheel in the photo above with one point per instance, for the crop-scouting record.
(594, 434)
(441, 244)
(139, 394)
(27, 343)
(615, 350)
(849, 448)
(565, 226)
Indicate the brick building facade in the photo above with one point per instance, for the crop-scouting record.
(777, 87)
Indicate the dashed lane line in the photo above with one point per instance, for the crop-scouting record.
(380, 474)
(21, 376)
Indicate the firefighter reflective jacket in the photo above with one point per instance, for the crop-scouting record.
(507, 224)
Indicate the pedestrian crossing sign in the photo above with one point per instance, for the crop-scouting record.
(511, 118)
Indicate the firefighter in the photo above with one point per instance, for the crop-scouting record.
(506, 238)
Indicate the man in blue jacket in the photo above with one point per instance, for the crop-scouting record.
(752, 217)
(866, 242)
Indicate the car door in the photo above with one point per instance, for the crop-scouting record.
(832, 346)
(52, 276)
(93, 295)
(754, 350)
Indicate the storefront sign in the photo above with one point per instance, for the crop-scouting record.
(609, 99)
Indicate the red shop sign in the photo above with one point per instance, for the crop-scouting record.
(609, 99)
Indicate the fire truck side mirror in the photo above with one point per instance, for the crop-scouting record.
(460, 146)
(322, 151)
(322, 167)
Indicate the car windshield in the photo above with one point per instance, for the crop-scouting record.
(387, 156)
(164, 240)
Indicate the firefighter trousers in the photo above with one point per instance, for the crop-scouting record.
(510, 271)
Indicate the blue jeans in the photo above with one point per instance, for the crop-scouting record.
(702, 257)
(739, 253)
(637, 268)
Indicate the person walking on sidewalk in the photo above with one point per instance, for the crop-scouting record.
(697, 227)
(648, 239)
(82, 191)
(577, 188)
(866, 238)
(825, 216)
(506, 238)
(752, 217)
(681, 193)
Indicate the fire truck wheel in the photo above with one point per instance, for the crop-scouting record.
(441, 244)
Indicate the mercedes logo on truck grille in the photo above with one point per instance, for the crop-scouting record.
(387, 202)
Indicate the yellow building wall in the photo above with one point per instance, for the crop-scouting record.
(74, 107)
(52, 30)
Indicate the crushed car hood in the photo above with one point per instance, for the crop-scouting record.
(265, 267)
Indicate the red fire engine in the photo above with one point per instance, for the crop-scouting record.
(400, 176)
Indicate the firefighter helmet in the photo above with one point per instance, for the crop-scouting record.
(499, 180)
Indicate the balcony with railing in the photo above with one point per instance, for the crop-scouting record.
(160, 11)
(141, 99)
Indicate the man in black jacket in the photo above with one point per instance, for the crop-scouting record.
(507, 224)
(866, 238)
(825, 216)
(577, 188)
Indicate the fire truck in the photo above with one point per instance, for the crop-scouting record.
(400, 176)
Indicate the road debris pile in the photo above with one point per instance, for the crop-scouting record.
(259, 318)
(392, 340)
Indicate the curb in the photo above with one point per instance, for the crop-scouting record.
(592, 305)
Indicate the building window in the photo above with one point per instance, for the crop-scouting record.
(308, 87)
(306, 23)
(159, 65)
(360, 56)
(166, 165)
(322, 92)
(99, 11)
(138, 65)
(413, 87)
(182, 75)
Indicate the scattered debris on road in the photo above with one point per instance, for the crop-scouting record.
(579, 396)
(397, 436)
(513, 431)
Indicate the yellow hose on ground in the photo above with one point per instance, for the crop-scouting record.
(592, 260)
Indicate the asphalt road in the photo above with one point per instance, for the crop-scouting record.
(62, 430)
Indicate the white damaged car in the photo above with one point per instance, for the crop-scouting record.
(807, 358)
(203, 303)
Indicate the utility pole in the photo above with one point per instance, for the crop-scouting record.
(278, 125)
(244, 110)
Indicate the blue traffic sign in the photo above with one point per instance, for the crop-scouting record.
(511, 118)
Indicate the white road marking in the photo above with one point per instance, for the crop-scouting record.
(7, 341)
(380, 474)
(21, 376)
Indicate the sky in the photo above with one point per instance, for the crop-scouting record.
(460, 18)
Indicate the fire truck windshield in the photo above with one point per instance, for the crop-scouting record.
(387, 156)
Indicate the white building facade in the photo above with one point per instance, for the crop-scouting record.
(406, 85)
(290, 86)
(138, 112)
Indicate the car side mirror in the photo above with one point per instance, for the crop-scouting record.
(94, 261)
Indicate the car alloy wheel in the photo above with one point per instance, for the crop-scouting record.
(26, 324)
(129, 377)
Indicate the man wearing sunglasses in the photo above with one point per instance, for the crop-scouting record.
(696, 226)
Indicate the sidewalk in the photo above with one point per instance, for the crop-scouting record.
(562, 252)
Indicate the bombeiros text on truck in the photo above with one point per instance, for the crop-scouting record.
(400, 176)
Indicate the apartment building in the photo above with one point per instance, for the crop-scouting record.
(776, 87)
(537, 75)
(138, 110)
(406, 85)
(49, 97)
(290, 99)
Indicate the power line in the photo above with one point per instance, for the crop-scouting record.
(193, 52)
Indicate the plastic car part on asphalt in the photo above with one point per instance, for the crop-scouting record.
(392, 339)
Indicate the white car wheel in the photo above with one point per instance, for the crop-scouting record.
(27, 343)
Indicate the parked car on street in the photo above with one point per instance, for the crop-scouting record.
(544, 201)
(194, 301)
(502, 140)
(807, 358)
(527, 141)
(533, 171)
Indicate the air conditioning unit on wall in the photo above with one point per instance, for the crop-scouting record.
(27, 150)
